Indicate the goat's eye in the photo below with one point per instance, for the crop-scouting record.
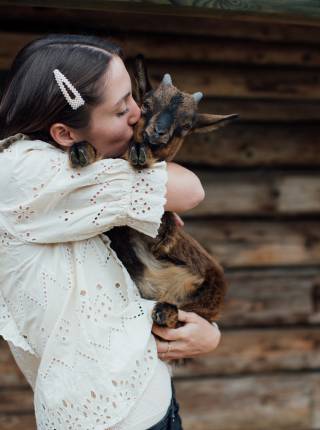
(145, 107)
(186, 126)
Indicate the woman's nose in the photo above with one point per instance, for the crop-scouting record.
(135, 113)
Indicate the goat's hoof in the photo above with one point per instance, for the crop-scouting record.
(165, 314)
(133, 155)
(142, 156)
(82, 154)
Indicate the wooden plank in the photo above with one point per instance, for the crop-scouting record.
(247, 83)
(187, 48)
(278, 401)
(257, 350)
(273, 10)
(274, 297)
(10, 374)
(252, 243)
(258, 193)
(108, 21)
(15, 400)
(270, 112)
(17, 422)
(225, 51)
(248, 145)
(244, 82)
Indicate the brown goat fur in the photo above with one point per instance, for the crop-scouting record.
(173, 268)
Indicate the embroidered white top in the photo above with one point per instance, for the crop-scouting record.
(74, 319)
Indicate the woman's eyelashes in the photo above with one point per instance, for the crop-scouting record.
(123, 112)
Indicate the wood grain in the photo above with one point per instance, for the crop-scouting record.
(109, 21)
(258, 351)
(246, 82)
(188, 49)
(250, 145)
(18, 422)
(250, 243)
(258, 193)
(272, 297)
(279, 401)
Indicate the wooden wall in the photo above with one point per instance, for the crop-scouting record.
(261, 213)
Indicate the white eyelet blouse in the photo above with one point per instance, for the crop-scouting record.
(73, 318)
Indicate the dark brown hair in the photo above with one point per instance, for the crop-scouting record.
(32, 101)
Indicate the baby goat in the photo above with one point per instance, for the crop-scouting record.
(173, 268)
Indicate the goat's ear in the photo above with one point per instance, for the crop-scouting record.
(142, 82)
(207, 122)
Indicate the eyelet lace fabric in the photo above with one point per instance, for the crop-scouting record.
(65, 298)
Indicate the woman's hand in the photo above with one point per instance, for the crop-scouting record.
(196, 337)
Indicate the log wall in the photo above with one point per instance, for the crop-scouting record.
(260, 217)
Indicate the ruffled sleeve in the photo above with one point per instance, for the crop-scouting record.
(44, 200)
(9, 330)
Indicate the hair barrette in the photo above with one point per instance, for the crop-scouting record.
(64, 82)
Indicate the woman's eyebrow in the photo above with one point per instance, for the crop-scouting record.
(122, 99)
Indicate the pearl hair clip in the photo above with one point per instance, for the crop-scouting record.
(64, 82)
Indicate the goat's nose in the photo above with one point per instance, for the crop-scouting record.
(163, 123)
(159, 130)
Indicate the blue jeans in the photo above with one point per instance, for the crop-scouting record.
(171, 420)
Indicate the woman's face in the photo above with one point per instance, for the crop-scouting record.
(111, 124)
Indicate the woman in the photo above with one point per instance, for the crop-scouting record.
(74, 320)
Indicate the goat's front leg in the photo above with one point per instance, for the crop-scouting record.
(139, 155)
(166, 238)
(165, 314)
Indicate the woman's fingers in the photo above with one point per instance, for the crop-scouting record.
(197, 336)
(166, 333)
(179, 222)
(187, 316)
(175, 350)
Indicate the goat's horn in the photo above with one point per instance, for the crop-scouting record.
(167, 79)
(197, 96)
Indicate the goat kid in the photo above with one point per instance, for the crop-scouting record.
(173, 269)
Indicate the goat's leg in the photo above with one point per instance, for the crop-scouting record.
(204, 297)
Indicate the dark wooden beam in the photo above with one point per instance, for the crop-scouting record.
(274, 10)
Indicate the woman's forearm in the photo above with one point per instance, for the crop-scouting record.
(184, 189)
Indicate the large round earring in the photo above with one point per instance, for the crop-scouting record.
(82, 154)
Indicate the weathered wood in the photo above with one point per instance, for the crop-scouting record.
(258, 193)
(17, 422)
(15, 400)
(257, 350)
(10, 374)
(272, 297)
(223, 81)
(254, 403)
(187, 48)
(219, 81)
(108, 21)
(247, 145)
(270, 10)
(252, 243)
(268, 111)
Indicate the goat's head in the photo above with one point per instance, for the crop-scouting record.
(168, 115)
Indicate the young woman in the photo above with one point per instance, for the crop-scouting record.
(74, 320)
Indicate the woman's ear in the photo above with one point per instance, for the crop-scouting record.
(62, 134)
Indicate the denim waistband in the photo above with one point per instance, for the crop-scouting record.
(171, 420)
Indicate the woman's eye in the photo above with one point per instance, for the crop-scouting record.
(123, 112)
